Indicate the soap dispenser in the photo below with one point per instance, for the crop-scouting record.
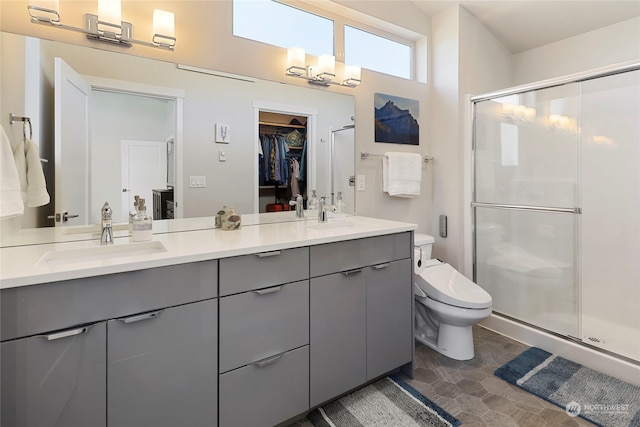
(142, 224)
(312, 203)
(339, 203)
(132, 213)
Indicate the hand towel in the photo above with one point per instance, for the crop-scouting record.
(37, 194)
(402, 174)
(32, 183)
(10, 198)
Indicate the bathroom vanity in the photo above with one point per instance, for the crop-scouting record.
(251, 327)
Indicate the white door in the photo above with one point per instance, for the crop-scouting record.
(72, 141)
(144, 168)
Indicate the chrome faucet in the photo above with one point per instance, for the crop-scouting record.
(322, 212)
(106, 232)
(298, 204)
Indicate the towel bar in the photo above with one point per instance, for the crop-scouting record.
(364, 155)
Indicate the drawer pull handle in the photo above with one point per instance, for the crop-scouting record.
(350, 272)
(65, 334)
(381, 266)
(140, 317)
(268, 254)
(268, 290)
(268, 360)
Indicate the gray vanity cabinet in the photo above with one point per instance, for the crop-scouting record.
(361, 315)
(264, 338)
(389, 316)
(338, 333)
(136, 348)
(55, 379)
(259, 324)
(162, 367)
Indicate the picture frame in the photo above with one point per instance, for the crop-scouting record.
(223, 133)
(396, 119)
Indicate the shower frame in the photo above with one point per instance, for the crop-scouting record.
(472, 190)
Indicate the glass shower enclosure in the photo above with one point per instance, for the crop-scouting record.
(556, 206)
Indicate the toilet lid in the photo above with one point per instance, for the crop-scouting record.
(445, 284)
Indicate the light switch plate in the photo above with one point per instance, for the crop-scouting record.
(197, 181)
(360, 183)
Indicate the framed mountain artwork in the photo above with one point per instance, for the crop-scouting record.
(396, 120)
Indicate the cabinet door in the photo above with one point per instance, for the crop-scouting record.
(56, 379)
(389, 317)
(337, 334)
(162, 367)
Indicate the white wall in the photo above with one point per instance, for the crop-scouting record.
(467, 59)
(485, 65)
(445, 132)
(464, 59)
(605, 46)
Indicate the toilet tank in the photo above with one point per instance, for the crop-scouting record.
(424, 242)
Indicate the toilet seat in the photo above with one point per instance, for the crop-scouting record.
(443, 283)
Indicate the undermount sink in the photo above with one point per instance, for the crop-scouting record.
(101, 253)
(92, 228)
(335, 225)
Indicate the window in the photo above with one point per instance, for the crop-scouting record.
(377, 53)
(281, 25)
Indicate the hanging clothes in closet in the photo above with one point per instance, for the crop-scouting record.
(281, 163)
(278, 160)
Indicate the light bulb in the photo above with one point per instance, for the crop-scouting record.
(295, 61)
(110, 12)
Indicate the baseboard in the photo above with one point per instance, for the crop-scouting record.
(591, 358)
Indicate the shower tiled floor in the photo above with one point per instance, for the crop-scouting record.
(469, 391)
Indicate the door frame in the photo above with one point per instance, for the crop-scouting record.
(141, 89)
(292, 110)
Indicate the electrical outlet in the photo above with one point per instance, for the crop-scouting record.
(360, 183)
(197, 181)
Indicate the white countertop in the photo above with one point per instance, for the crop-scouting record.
(28, 265)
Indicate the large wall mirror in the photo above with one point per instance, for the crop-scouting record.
(132, 125)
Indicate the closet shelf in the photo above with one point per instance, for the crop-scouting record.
(284, 125)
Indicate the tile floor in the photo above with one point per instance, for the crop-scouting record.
(469, 391)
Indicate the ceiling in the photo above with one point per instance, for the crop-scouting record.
(523, 24)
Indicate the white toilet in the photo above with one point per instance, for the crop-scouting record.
(447, 304)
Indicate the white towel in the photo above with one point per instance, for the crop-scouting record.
(10, 199)
(32, 182)
(402, 174)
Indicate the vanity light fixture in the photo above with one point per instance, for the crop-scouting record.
(322, 74)
(107, 25)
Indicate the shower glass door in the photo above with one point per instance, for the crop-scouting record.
(524, 204)
(610, 201)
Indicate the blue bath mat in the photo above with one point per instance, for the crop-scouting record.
(386, 402)
(583, 392)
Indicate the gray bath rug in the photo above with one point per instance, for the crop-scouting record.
(386, 402)
(583, 392)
